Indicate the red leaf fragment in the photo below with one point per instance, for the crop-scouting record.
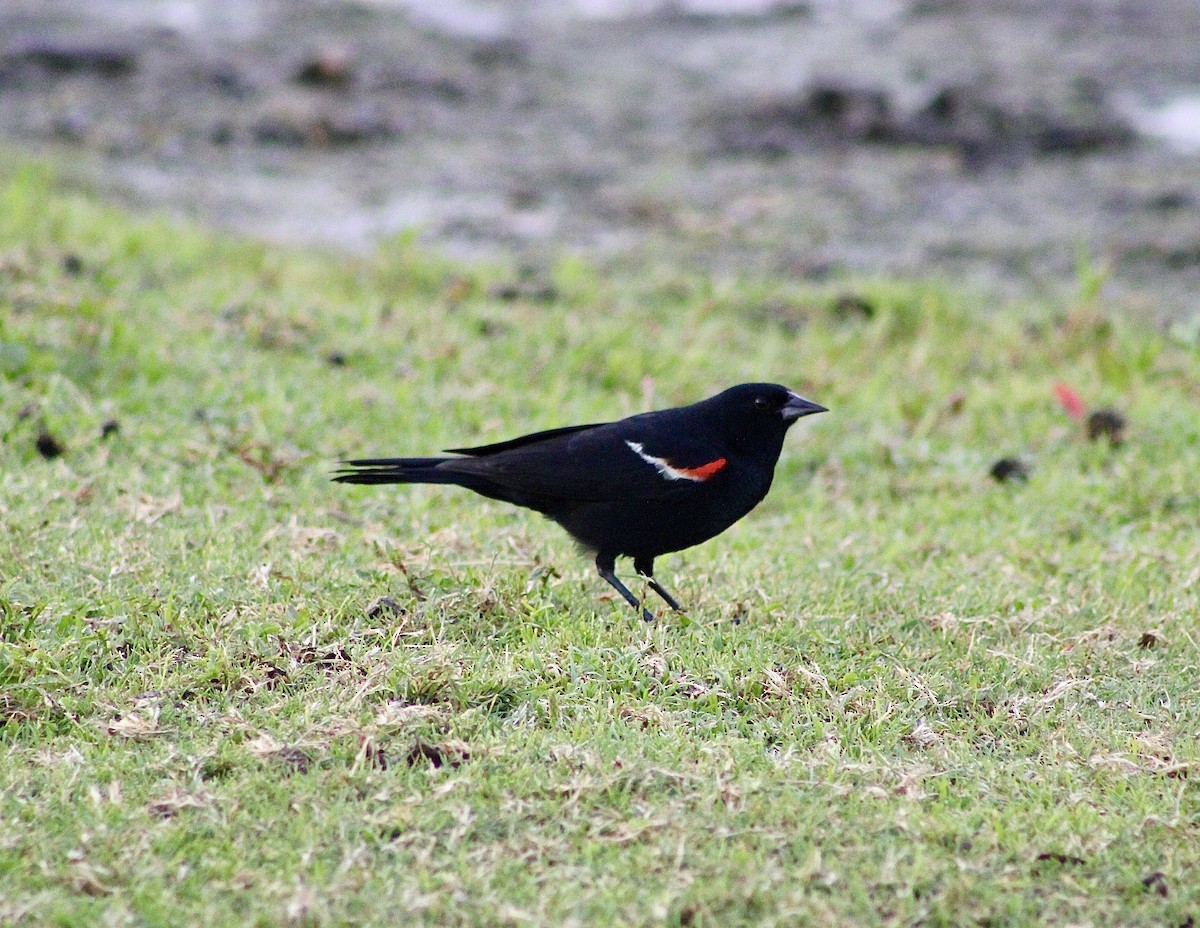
(1071, 402)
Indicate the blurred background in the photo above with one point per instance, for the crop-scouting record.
(1019, 145)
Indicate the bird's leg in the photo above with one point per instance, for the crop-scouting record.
(605, 566)
(645, 567)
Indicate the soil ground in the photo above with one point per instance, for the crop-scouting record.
(996, 142)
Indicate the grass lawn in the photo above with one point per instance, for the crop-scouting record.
(233, 693)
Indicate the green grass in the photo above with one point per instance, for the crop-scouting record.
(904, 694)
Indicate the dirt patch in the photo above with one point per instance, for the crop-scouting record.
(991, 141)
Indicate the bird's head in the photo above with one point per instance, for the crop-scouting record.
(760, 413)
(767, 403)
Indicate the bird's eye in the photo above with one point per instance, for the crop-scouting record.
(761, 402)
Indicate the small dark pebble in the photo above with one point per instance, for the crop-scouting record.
(437, 755)
(1156, 882)
(351, 125)
(377, 758)
(506, 292)
(976, 120)
(221, 134)
(48, 446)
(490, 328)
(1168, 201)
(385, 605)
(66, 56)
(1104, 132)
(852, 306)
(526, 197)
(283, 130)
(524, 290)
(72, 264)
(1106, 423)
(110, 428)
(1174, 255)
(1061, 858)
(824, 113)
(500, 52)
(329, 657)
(1009, 469)
(422, 750)
(850, 112)
(336, 359)
(294, 759)
(231, 81)
(330, 67)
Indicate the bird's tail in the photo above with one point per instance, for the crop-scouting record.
(395, 470)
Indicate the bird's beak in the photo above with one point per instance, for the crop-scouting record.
(797, 406)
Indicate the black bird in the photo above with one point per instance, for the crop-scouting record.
(644, 486)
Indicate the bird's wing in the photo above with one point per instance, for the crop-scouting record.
(481, 451)
(615, 461)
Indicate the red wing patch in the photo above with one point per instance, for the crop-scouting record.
(704, 471)
(670, 472)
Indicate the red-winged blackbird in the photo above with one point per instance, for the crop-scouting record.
(659, 482)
